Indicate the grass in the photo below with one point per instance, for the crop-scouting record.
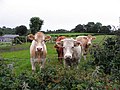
(100, 38)
(70, 34)
(79, 79)
(22, 57)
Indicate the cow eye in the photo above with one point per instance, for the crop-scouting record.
(72, 47)
(36, 40)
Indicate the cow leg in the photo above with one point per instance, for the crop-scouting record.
(65, 65)
(33, 64)
(84, 57)
(84, 54)
(60, 59)
(43, 63)
(58, 55)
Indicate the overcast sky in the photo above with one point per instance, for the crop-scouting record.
(59, 14)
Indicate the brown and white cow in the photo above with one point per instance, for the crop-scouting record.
(86, 42)
(59, 49)
(38, 49)
(71, 51)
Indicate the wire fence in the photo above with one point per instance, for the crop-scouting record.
(16, 59)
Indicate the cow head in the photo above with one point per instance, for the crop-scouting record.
(89, 39)
(58, 40)
(39, 38)
(68, 45)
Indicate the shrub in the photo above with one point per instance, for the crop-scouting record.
(19, 40)
(108, 58)
(52, 78)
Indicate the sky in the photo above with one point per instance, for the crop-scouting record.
(59, 14)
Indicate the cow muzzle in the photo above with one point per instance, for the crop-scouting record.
(68, 56)
(39, 48)
(89, 43)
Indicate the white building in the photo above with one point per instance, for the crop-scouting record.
(7, 38)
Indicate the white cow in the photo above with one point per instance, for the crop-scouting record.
(38, 49)
(71, 52)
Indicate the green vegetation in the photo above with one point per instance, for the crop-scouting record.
(89, 76)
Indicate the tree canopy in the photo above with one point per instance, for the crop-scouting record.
(21, 30)
(35, 24)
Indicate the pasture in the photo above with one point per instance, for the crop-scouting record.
(55, 76)
(20, 54)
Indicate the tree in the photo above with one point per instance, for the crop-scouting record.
(78, 28)
(117, 32)
(21, 30)
(1, 33)
(89, 27)
(97, 27)
(61, 31)
(105, 29)
(7, 30)
(35, 24)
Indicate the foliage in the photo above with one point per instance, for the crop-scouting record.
(105, 29)
(21, 30)
(108, 57)
(79, 28)
(20, 40)
(117, 32)
(5, 30)
(1, 32)
(92, 27)
(54, 78)
(35, 24)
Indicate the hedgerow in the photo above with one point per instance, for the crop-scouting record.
(100, 72)
(52, 78)
(107, 58)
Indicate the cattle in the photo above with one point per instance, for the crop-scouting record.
(59, 49)
(71, 52)
(38, 50)
(86, 41)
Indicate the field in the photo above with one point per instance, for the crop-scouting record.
(22, 56)
(81, 79)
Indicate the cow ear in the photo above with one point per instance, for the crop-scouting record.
(47, 38)
(77, 43)
(59, 43)
(31, 37)
(85, 37)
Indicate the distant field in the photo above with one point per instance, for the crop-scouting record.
(71, 33)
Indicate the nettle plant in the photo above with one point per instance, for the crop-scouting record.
(108, 57)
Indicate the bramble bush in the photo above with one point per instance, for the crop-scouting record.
(54, 78)
(102, 73)
(107, 58)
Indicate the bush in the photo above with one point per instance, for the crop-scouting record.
(108, 58)
(19, 40)
(52, 78)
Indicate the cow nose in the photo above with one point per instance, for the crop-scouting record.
(68, 57)
(89, 44)
(39, 49)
